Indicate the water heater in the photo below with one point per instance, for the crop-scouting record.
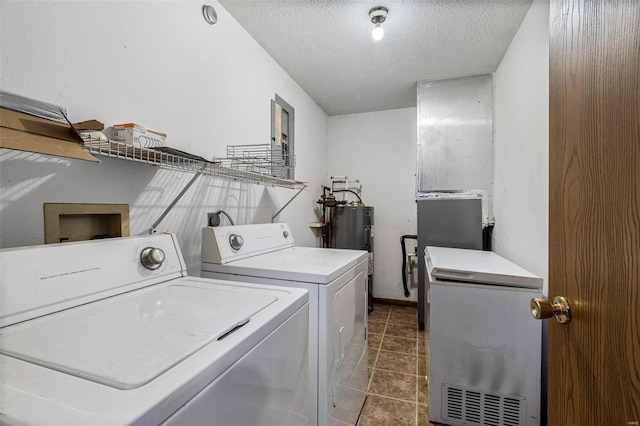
(353, 229)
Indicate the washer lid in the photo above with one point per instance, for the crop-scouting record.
(301, 264)
(128, 340)
(477, 266)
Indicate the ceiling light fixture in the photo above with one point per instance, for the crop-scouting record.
(378, 16)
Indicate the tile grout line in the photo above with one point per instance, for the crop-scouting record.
(377, 355)
(379, 395)
(416, 372)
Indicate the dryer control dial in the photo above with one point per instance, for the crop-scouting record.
(152, 258)
(236, 241)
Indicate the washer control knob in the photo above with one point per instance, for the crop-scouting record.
(152, 258)
(236, 241)
(286, 234)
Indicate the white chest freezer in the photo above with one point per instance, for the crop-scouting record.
(485, 348)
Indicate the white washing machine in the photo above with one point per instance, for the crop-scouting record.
(337, 285)
(113, 332)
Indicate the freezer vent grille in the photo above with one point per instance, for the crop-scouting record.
(478, 407)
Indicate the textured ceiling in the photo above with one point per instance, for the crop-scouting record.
(326, 45)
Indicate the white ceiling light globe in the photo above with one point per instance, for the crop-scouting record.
(377, 33)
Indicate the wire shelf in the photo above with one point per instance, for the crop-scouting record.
(268, 160)
(174, 159)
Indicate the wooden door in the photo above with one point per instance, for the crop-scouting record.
(594, 211)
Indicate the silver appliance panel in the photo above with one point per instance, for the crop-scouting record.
(455, 135)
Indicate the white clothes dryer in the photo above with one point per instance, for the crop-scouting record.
(337, 284)
(113, 332)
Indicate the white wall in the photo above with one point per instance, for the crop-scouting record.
(521, 145)
(161, 65)
(379, 149)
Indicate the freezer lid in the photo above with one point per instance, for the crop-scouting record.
(127, 341)
(477, 266)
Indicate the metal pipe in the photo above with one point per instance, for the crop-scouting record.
(346, 190)
(404, 262)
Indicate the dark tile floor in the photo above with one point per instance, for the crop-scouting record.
(397, 369)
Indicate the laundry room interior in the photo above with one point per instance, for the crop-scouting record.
(451, 105)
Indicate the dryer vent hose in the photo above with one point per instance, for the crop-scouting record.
(404, 262)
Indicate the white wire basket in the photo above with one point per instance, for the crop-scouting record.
(268, 160)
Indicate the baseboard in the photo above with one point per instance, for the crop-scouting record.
(395, 302)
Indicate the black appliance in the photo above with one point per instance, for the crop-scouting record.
(447, 221)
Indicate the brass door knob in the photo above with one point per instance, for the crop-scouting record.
(560, 308)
